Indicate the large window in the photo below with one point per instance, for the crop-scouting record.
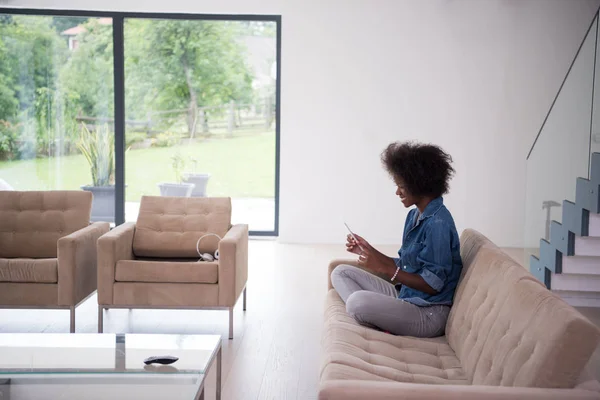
(126, 105)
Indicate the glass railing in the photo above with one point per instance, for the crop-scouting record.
(561, 151)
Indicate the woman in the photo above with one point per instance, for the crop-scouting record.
(415, 297)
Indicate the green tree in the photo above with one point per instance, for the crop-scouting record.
(186, 65)
(87, 78)
(9, 104)
(31, 55)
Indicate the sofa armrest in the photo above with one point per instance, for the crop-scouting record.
(233, 264)
(77, 263)
(114, 246)
(359, 390)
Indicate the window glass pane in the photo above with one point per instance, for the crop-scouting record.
(200, 113)
(56, 106)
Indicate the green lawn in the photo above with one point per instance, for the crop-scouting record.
(242, 166)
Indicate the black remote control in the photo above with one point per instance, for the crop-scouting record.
(164, 360)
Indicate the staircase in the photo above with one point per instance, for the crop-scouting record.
(569, 263)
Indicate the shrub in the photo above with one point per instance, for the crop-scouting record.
(98, 147)
(9, 136)
(166, 139)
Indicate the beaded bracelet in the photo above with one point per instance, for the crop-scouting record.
(395, 274)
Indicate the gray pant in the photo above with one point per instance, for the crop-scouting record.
(373, 302)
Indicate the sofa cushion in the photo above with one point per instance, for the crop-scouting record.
(29, 270)
(32, 222)
(535, 340)
(507, 329)
(171, 226)
(167, 271)
(488, 274)
(471, 242)
(352, 351)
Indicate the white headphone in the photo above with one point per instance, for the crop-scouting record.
(207, 256)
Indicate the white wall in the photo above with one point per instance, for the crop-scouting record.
(476, 77)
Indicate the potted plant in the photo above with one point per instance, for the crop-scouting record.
(98, 148)
(178, 189)
(200, 180)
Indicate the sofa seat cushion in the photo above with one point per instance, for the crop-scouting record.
(167, 271)
(356, 352)
(29, 270)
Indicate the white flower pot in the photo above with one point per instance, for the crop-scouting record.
(176, 189)
(200, 181)
(103, 203)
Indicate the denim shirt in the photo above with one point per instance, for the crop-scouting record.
(430, 248)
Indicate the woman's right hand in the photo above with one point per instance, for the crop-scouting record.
(352, 245)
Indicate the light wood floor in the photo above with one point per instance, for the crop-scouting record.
(275, 351)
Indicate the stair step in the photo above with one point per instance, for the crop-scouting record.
(575, 282)
(550, 257)
(595, 171)
(587, 195)
(594, 229)
(575, 218)
(587, 246)
(562, 239)
(579, 299)
(587, 265)
(538, 270)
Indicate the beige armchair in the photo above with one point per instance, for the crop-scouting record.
(154, 262)
(47, 249)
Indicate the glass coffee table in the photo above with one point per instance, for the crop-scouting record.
(106, 366)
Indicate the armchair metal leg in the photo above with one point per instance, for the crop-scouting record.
(230, 322)
(100, 319)
(72, 312)
(245, 298)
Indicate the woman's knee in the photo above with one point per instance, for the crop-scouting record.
(342, 269)
(360, 304)
(340, 272)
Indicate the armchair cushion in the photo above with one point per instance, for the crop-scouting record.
(32, 222)
(29, 270)
(170, 227)
(28, 294)
(166, 271)
(166, 294)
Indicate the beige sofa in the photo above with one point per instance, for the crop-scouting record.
(47, 249)
(507, 337)
(154, 263)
